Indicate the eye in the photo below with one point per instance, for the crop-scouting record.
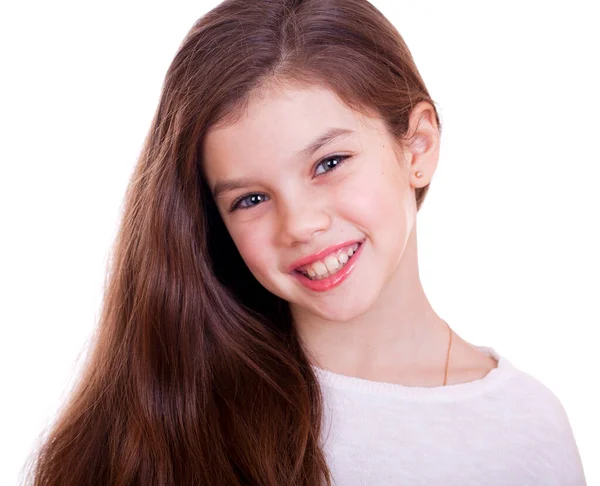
(341, 159)
(237, 203)
(249, 197)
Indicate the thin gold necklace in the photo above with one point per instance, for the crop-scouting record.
(448, 354)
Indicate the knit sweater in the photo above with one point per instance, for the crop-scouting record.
(505, 429)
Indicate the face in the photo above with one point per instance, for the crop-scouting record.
(284, 197)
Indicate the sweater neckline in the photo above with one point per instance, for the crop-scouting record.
(491, 380)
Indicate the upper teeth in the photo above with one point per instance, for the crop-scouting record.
(330, 263)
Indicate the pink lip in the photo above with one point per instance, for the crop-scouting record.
(333, 280)
(320, 254)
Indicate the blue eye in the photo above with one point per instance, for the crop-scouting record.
(236, 205)
(341, 159)
(246, 197)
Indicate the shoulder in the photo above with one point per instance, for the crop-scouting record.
(527, 414)
(538, 422)
(551, 432)
(522, 397)
(539, 402)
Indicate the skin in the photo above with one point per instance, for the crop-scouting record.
(378, 324)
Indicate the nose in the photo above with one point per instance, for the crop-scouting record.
(301, 219)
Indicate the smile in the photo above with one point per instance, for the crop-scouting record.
(329, 265)
(331, 271)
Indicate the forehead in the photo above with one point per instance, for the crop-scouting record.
(276, 125)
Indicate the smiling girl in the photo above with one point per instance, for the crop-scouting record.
(264, 322)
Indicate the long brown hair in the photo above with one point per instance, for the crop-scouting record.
(196, 375)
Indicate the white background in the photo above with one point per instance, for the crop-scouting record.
(508, 235)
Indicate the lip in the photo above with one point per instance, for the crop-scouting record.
(321, 254)
(333, 280)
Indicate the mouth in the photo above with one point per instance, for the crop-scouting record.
(332, 270)
(323, 268)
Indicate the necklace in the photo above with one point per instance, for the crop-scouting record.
(448, 354)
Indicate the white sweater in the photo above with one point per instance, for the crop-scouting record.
(505, 429)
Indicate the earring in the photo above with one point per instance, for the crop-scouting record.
(419, 173)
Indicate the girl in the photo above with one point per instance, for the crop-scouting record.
(264, 322)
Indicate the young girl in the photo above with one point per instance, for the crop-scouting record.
(264, 321)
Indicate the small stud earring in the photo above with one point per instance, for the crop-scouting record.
(419, 173)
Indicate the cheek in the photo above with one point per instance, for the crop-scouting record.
(371, 198)
(254, 252)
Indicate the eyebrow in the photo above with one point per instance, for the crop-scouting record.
(322, 140)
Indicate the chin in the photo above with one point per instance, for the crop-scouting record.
(335, 313)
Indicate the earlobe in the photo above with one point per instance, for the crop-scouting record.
(419, 179)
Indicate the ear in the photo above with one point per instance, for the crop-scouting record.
(423, 148)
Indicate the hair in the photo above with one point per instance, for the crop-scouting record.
(196, 375)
